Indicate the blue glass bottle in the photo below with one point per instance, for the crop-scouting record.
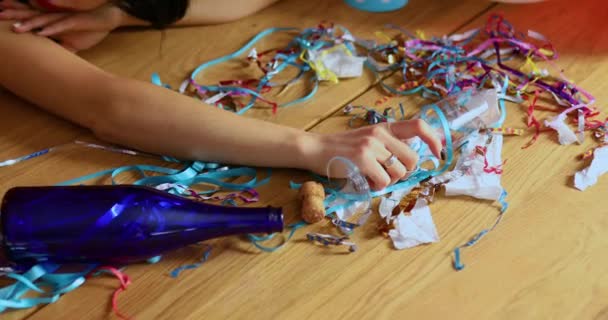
(115, 224)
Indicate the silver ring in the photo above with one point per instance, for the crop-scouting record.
(390, 161)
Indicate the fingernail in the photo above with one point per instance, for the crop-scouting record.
(443, 154)
(17, 25)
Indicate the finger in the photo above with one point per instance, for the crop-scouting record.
(403, 152)
(74, 22)
(17, 14)
(38, 21)
(412, 128)
(391, 161)
(395, 169)
(380, 179)
(65, 25)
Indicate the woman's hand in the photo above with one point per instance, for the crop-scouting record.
(371, 147)
(74, 30)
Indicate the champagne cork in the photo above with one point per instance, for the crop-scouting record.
(312, 196)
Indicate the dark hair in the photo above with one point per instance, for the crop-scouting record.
(160, 13)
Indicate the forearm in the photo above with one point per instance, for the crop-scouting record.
(203, 12)
(49, 76)
(138, 114)
(161, 121)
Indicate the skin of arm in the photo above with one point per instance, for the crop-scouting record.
(139, 114)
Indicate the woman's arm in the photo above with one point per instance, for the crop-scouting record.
(136, 113)
(154, 119)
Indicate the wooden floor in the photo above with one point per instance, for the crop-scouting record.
(547, 260)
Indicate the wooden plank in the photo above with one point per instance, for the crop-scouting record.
(548, 249)
(173, 55)
(545, 260)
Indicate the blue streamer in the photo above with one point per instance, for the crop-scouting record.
(458, 265)
(289, 60)
(175, 273)
(154, 260)
(308, 39)
(40, 275)
(257, 239)
(239, 52)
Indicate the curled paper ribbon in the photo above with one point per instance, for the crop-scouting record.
(507, 131)
(458, 265)
(443, 66)
(176, 272)
(327, 240)
(326, 51)
(124, 282)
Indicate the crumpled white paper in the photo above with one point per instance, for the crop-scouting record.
(387, 205)
(339, 61)
(474, 181)
(415, 229)
(565, 135)
(589, 176)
